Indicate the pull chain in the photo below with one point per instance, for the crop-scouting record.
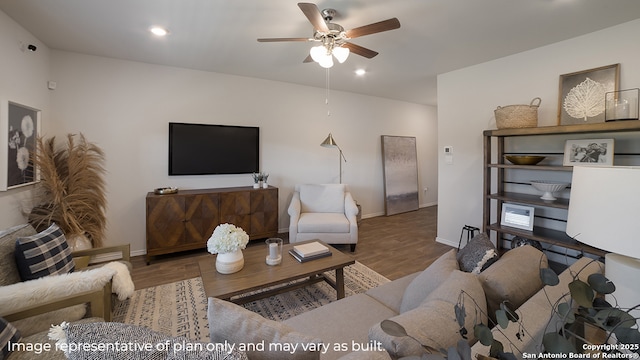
(326, 100)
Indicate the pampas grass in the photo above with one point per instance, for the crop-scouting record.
(71, 188)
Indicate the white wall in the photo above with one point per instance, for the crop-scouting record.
(23, 79)
(125, 107)
(468, 97)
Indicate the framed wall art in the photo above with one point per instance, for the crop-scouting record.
(588, 152)
(582, 94)
(400, 168)
(517, 216)
(19, 129)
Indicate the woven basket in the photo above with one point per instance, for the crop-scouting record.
(518, 116)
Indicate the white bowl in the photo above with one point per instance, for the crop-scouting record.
(548, 188)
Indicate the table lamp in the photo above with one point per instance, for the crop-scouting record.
(604, 212)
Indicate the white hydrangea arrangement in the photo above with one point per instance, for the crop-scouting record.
(227, 238)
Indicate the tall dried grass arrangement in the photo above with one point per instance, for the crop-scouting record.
(72, 188)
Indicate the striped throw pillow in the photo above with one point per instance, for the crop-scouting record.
(43, 254)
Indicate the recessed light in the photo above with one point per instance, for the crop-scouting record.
(159, 31)
(360, 72)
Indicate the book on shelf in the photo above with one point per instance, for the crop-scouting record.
(307, 258)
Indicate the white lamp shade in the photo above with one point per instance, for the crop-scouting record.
(319, 53)
(604, 209)
(341, 53)
(327, 62)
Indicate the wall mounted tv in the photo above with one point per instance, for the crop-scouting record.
(202, 149)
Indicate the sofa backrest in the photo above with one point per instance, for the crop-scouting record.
(322, 198)
(8, 270)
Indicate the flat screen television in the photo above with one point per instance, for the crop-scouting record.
(203, 149)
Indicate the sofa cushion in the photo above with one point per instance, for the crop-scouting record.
(237, 325)
(514, 278)
(319, 198)
(8, 333)
(323, 223)
(477, 255)
(8, 270)
(428, 280)
(43, 254)
(433, 323)
(341, 322)
(390, 294)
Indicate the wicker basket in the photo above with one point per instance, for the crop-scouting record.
(518, 116)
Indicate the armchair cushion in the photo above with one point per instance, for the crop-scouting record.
(8, 270)
(322, 198)
(43, 254)
(323, 223)
(8, 333)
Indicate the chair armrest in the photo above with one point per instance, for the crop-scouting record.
(100, 301)
(350, 207)
(294, 206)
(124, 250)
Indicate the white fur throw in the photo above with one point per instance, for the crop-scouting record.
(27, 293)
(122, 283)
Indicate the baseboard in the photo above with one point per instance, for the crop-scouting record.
(447, 242)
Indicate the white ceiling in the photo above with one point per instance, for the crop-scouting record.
(436, 36)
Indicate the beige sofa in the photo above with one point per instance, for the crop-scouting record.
(423, 303)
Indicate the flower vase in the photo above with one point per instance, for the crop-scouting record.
(265, 185)
(256, 185)
(229, 263)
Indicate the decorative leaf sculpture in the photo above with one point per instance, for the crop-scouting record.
(585, 100)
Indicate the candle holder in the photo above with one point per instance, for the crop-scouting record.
(621, 105)
(274, 251)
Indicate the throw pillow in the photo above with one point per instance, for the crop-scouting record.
(43, 254)
(514, 278)
(272, 340)
(428, 280)
(111, 340)
(8, 334)
(477, 255)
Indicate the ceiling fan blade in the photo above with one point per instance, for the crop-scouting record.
(308, 59)
(314, 15)
(359, 50)
(380, 26)
(283, 39)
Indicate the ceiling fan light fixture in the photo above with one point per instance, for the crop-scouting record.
(341, 53)
(327, 62)
(318, 53)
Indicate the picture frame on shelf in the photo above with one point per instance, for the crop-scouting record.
(581, 98)
(593, 152)
(19, 130)
(517, 216)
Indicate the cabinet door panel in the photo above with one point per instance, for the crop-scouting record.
(165, 221)
(235, 208)
(264, 211)
(201, 217)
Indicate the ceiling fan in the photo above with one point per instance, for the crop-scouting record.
(333, 38)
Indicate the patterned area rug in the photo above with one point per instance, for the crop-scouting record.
(180, 308)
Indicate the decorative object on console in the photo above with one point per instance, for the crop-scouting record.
(257, 180)
(330, 143)
(582, 94)
(608, 221)
(22, 124)
(621, 105)
(548, 188)
(264, 180)
(71, 192)
(518, 116)
(165, 190)
(524, 159)
(588, 151)
(274, 251)
(228, 241)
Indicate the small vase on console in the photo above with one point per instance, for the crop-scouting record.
(229, 263)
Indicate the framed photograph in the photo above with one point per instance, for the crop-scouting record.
(588, 152)
(582, 94)
(19, 129)
(517, 216)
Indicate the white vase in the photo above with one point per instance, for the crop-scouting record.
(265, 185)
(256, 186)
(229, 263)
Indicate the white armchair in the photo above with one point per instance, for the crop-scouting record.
(323, 211)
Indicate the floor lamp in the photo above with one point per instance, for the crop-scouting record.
(604, 212)
(330, 143)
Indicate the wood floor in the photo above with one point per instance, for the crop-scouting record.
(393, 246)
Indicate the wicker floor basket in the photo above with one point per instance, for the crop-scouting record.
(518, 116)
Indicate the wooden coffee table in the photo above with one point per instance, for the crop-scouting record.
(257, 275)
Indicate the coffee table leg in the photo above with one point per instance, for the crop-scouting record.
(340, 283)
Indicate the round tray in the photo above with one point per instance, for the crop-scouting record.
(165, 190)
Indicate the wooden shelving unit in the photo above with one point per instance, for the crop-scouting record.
(495, 168)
